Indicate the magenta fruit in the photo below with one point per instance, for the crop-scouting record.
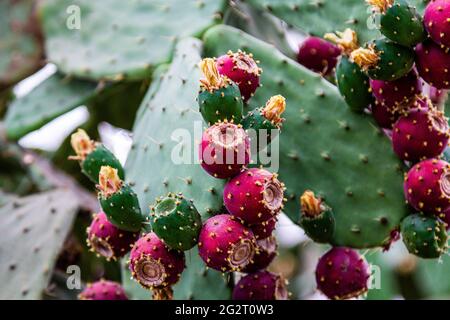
(262, 285)
(225, 244)
(255, 195)
(420, 134)
(241, 68)
(103, 290)
(427, 186)
(264, 229)
(107, 240)
(342, 273)
(433, 64)
(266, 251)
(318, 55)
(436, 21)
(224, 150)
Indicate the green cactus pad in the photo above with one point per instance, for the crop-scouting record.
(33, 231)
(176, 220)
(401, 23)
(326, 147)
(123, 210)
(101, 156)
(353, 85)
(120, 39)
(424, 236)
(221, 104)
(50, 99)
(320, 228)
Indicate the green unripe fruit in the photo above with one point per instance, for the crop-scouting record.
(424, 236)
(176, 221)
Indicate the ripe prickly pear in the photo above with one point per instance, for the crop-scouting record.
(427, 186)
(103, 290)
(318, 55)
(255, 195)
(424, 236)
(435, 19)
(107, 240)
(266, 251)
(153, 264)
(384, 60)
(219, 98)
(224, 150)
(225, 244)
(176, 221)
(119, 201)
(342, 273)
(433, 63)
(262, 285)
(93, 155)
(241, 68)
(264, 229)
(316, 219)
(400, 21)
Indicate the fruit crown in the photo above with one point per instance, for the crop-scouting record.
(109, 181)
(81, 144)
(245, 61)
(365, 58)
(347, 40)
(380, 5)
(213, 80)
(311, 206)
(275, 106)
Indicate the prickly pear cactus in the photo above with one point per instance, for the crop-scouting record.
(114, 39)
(350, 163)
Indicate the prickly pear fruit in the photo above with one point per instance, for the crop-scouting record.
(427, 186)
(266, 251)
(445, 217)
(262, 285)
(241, 68)
(107, 240)
(224, 150)
(342, 273)
(119, 201)
(316, 219)
(400, 21)
(433, 63)
(153, 264)
(219, 98)
(264, 229)
(93, 155)
(225, 244)
(420, 134)
(318, 55)
(424, 236)
(103, 290)
(384, 60)
(255, 195)
(176, 221)
(435, 19)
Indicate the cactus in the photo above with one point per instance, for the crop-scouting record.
(262, 285)
(318, 55)
(266, 251)
(435, 19)
(103, 290)
(431, 61)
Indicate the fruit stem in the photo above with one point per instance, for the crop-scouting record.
(366, 58)
(81, 144)
(347, 41)
(109, 181)
(275, 106)
(213, 80)
(380, 5)
(311, 206)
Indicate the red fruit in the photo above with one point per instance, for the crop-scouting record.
(420, 134)
(385, 117)
(153, 264)
(433, 64)
(224, 150)
(436, 21)
(427, 186)
(254, 196)
(318, 55)
(266, 251)
(264, 229)
(103, 290)
(342, 273)
(108, 240)
(242, 69)
(262, 285)
(225, 244)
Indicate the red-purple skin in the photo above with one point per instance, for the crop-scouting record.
(262, 285)
(103, 290)
(224, 150)
(318, 55)
(422, 133)
(255, 195)
(436, 23)
(427, 186)
(266, 251)
(342, 273)
(433, 64)
(225, 244)
(107, 240)
(242, 69)
(153, 264)
(383, 116)
(445, 217)
(264, 229)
